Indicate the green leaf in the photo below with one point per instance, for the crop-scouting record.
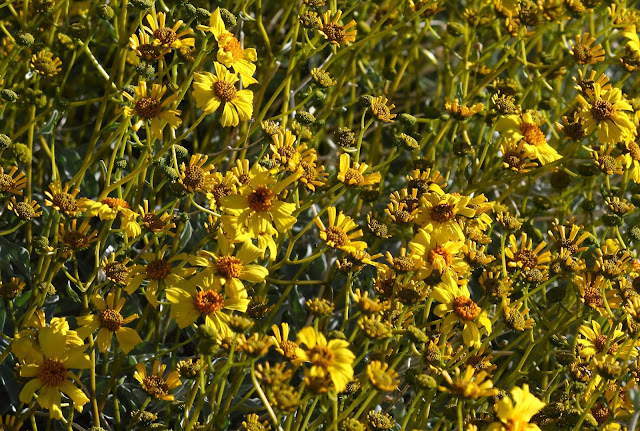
(72, 293)
(185, 236)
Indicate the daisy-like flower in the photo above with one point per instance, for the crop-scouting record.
(148, 106)
(605, 111)
(331, 357)
(596, 292)
(524, 127)
(155, 384)
(63, 199)
(109, 208)
(353, 174)
(515, 413)
(196, 177)
(156, 223)
(257, 205)
(514, 157)
(524, 257)
(284, 346)
(230, 51)
(44, 63)
(159, 272)
(25, 210)
(381, 110)
(516, 319)
(587, 83)
(596, 343)
(77, 238)
(456, 305)
(461, 112)
(12, 183)
(438, 214)
(584, 53)
(284, 150)
(50, 373)
(469, 384)
(382, 377)
(230, 269)
(223, 185)
(338, 234)
(632, 155)
(334, 32)
(572, 127)
(608, 164)
(142, 44)
(109, 322)
(190, 301)
(438, 255)
(566, 237)
(168, 37)
(312, 175)
(211, 91)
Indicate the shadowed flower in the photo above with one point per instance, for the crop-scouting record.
(155, 384)
(149, 107)
(334, 32)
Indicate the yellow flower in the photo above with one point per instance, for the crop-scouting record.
(331, 357)
(337, 234)
(438, 255)
(12, 183)
(380, 109)
(156, 223)
(524, 257)
(62, 199)
(461, 112)
(334, 32)
(584, 53)
(148, 106)
(164, 36)
(230, 51)
(382, 377)
(155, 384)
(50, 373)
(438, 211)
(605, 111)
(517, 127)
(77, 238)
(26, 210)
(469, 384)
(8, 423)
(457, 305)
(110, 322)
(596, 343)
(257, 205)
(159, 272)
(190, 301)
(211, 91)
(354, 175)
(196, 177)
(514, 156)
(45, 63)
(634, 42)
(229, 269)
(516, 414)
(145, 49)
(284, 346)
(283, 149)
(25, 345)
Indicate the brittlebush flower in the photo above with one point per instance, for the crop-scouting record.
(438, 214)
(604, 111)
(155, 384)
(145, 49)
(62, 199)
(331, 357)
(149, 107)
(517, 127)
(12, 183)
(335, 33)
(354, 174)
(190, 301)
(595, 342)
(170, 37)
(338, 234)
(44, 63)
(211, 91)
(524, 257)
(110, 322)
(469, 384)
(461, 112)
(381, 110)
(230, 51)
(456, 305)
(515, 413)
(584, 53)
(50, 372)
(382, 377)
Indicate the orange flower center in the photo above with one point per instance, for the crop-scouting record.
(158, 269)
(289, 349)
(593, 297)
(465, 308)
(229, 266)
(225, 91)
(148, 107)
(442, 213)
(111, 320)
(52, 372)
(352, 176)
(334, 32)
(321, 356)
(115, 203)
(527, 258)
(337, 236)
(165, 35)
(208, 302)
(231, 45)
(260, 199)
(286, 153)
(441, 252)
(532, 134)
(64, 201)
(601, 110)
